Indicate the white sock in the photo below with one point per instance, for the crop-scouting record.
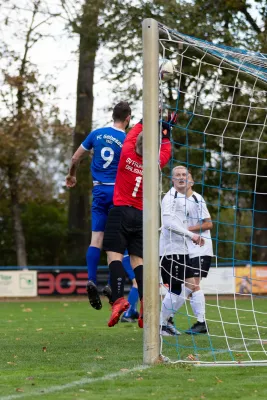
(172, 303)
(182, 297)
(167, 307)
(192, 304)
(198, 305)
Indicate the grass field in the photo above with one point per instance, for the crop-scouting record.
(64, 350)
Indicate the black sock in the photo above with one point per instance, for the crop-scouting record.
(138, 271)
(117, 279)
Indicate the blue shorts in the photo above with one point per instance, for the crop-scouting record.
(101, 204)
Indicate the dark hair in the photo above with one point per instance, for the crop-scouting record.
(121, 111)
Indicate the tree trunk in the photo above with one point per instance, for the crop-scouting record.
(79, 222)
(17, 223)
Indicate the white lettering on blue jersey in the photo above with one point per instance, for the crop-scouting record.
(107, 144)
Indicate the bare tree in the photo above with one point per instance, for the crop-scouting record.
(24, 118)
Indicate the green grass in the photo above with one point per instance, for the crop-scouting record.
(47, 344)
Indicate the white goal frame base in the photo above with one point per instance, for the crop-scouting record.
(166, 360)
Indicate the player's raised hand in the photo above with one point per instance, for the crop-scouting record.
(197, 239)
(167, 125)
(70, 180)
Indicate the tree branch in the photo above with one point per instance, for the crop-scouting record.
(250, 20)
(44, 21)
(67, 11)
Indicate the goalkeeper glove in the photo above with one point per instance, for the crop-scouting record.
(167, 125)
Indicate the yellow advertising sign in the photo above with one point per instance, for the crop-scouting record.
(251, 280)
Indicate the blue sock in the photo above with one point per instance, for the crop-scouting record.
(127, 266)
(92, 259)
(132, 299)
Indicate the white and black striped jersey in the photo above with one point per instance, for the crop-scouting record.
(174, 235)
(197, 211)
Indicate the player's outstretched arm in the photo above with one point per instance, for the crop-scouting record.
(75, 161)
(171, 224)
(165, 149)
(132, 135)
(165, 152)
(168, 125)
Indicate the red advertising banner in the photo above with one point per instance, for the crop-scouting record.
(62, 283)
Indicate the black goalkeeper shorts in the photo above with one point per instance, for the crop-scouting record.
(174, 270)
(200, 266)
(124, 230)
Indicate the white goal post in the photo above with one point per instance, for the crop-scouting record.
(151, 190)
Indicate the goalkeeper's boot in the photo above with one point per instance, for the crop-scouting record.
(171, 321)
(140, 318)
(198, 327)
(93, 295)
(108, 293)
(169, 330)
(119, 306)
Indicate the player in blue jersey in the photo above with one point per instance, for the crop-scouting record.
(106, 144)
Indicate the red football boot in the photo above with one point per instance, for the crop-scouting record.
(140, 319)
(119, 306)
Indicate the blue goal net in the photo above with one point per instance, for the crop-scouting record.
(220, 140)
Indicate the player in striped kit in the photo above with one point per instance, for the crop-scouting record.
(199, 221)
(175, 264)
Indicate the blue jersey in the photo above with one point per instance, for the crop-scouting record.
(107, 144)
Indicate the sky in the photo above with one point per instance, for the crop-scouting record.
(57, 56)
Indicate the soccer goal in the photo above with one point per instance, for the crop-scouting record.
(220, 96)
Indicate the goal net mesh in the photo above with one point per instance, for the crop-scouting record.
(219, 94)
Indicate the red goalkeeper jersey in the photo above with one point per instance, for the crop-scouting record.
(128, 189)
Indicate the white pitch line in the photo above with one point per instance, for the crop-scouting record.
(81, 382)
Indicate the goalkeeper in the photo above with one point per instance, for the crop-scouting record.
(124, 229)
